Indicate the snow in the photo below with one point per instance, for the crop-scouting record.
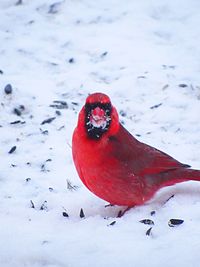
(145, 56)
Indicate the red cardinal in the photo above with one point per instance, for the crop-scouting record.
(113, 164)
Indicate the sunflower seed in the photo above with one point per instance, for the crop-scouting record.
(48, 120)
(12, 149)
(175, 222)
(82, 215)
(112, 223)
(147, 221)
(65, 214)
(148, 232)
(8, 89)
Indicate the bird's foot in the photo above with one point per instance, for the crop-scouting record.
(122, 212)
(109, 205)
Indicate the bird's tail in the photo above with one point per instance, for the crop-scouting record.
(170, 177)
(179, 175)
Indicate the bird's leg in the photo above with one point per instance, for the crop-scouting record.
(122, 212)
(109, 205)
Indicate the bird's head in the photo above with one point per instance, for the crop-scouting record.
(99, 116)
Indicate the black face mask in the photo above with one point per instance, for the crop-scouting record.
(92, 131)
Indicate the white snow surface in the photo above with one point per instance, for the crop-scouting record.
(146, 56)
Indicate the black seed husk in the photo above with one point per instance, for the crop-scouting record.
(19, 2)
(147, 221)
(175, 222)
(65, 214)
(8, 89)
(53, 8)
(104, 54)
(74, 103)
(45, 132)
(48, 120)
(17, 122)
(112, 223)
(44, 206)
(156, 106)
(82, 215)
(122, 113)
(148, 232)
(12, 149)
(17, 112)
(183, 85)
(59, 104)
(71, 60)
(141, 77)
(13, 165)
(58, 112)
(64, 103)
(70, 186)
(60, 128)
(32, 204)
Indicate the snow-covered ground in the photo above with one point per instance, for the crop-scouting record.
(146, 56)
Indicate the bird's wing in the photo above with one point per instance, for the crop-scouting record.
(159, 161)
(141, 158)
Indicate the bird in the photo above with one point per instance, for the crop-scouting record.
(113, 164)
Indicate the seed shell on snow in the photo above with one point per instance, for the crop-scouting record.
(148, 232)
(147, 221)
(18, 110)
(44, 206)
(32, 204)
(70, 186)
(175, 222)
(59, 104)
(71, 60)
(48, 120)
(183, 85)
(45, 132)
(12, 149)
(17, 122)
(19, 2)
(58, 112)
(65, 214)
(153, 212)
(82, 215)
(8, 89)
(156, 106)
(112, 223)
(13, 165)
(74, 103)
